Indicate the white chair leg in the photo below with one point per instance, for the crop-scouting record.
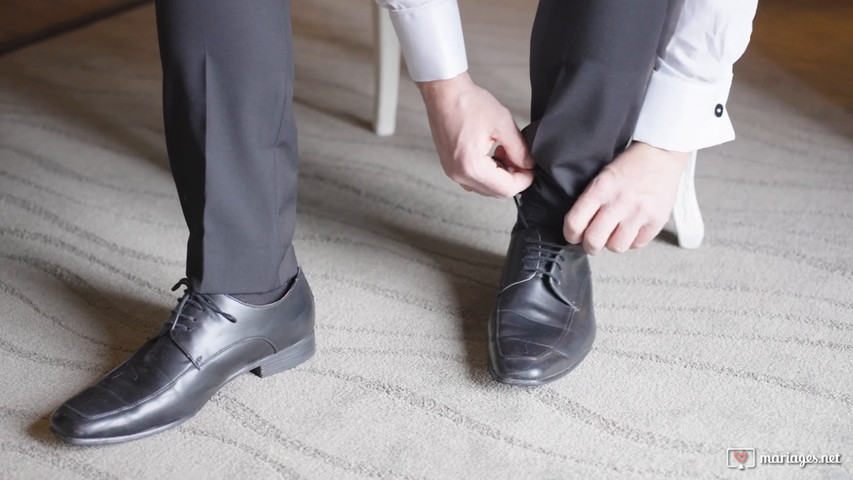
(387, 51)
(688, 219)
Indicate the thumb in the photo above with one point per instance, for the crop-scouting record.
(503, 183)
(513, 149)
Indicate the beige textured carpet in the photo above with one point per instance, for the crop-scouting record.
(746, 342)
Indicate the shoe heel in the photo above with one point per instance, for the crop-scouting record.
(286, 359)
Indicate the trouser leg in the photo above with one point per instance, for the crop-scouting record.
(231, 138)
(590, 61)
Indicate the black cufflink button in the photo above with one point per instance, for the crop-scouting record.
(718, 110)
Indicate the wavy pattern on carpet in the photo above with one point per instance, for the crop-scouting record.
(746, 342)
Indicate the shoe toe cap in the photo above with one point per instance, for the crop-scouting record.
(69, 425)
(521, 347)
(518, 361)
(530, 370)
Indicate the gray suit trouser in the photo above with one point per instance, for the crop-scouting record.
(231, 136)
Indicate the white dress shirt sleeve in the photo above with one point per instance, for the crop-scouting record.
(430, 33)
(685, 103)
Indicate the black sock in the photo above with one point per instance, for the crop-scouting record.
(264, 298)
(542, 206)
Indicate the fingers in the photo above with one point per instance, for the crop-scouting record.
(601, 229)
(513, 149)
(466, 121)
(646, 234)
(624, 237)
(501, 157)
(579, 217)
(491, 179)
(606, 216)
(485, 176)
(614, 227)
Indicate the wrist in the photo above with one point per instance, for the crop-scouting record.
(681, 157)
(442, 88)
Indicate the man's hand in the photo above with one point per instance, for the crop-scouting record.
(629, 202)
(466, 121)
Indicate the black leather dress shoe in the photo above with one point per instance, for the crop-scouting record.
(543, 325)
(207, 341)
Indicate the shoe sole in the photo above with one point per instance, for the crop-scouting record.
(286, 359)
(87, 442)
(540, 381)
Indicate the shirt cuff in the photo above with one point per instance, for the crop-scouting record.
(431, 39)
(684, 115)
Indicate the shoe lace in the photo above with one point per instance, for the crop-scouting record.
(536, 251)
(196, 300)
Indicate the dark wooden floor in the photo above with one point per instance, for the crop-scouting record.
(812, 40)
(25, 21)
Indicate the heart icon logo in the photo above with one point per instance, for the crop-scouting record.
(740, 456)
